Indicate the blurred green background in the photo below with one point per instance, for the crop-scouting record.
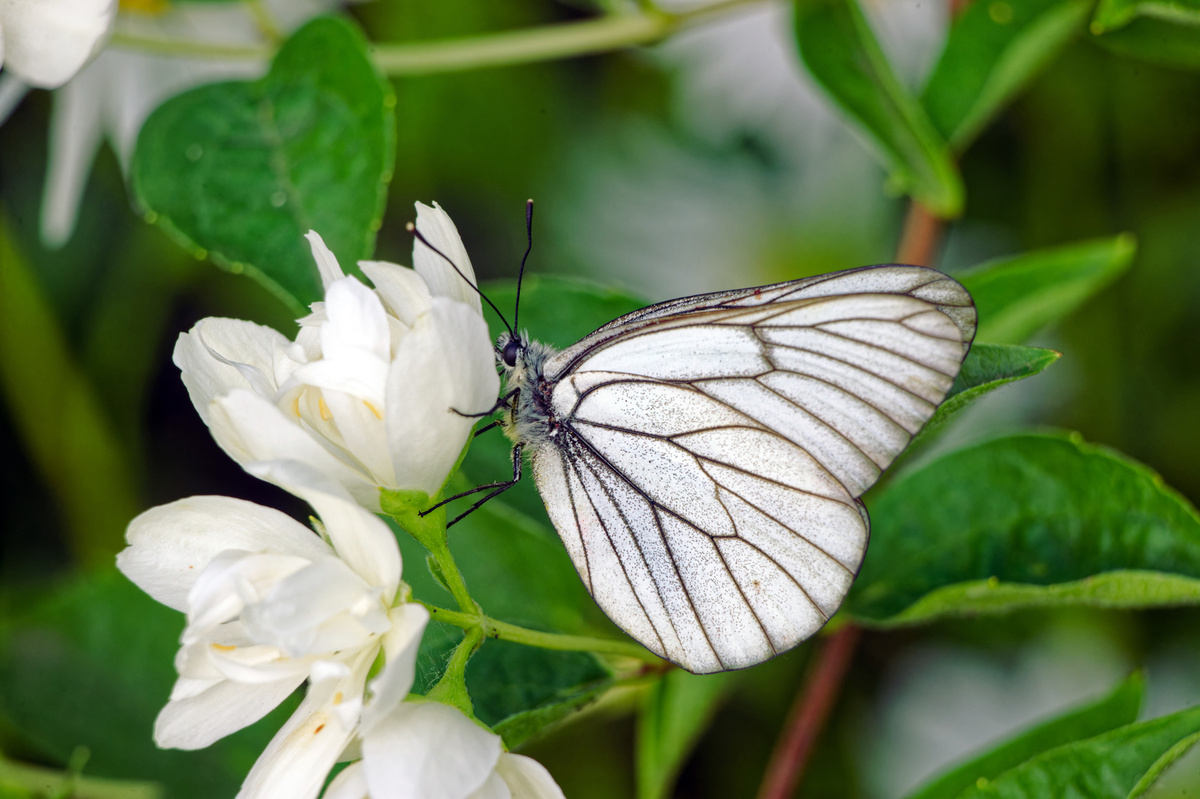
(703, 163)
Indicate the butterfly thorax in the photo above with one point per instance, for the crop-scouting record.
(528, 416)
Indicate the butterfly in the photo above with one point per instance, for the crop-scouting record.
(702, 459)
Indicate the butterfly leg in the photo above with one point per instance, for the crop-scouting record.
(498, 487)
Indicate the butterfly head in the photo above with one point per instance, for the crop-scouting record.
(508, 349)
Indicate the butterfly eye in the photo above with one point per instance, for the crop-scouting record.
(509, 356)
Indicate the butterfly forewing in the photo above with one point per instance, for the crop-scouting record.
(710, 451)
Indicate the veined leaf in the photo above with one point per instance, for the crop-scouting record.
(1116, 765)
(987, 368)
(519, 690)
(1154, 39)
(1018, 296)
(675, 714)
(840, 51)
(239, 172)
(1115, 710)
(1113, 14)
(994, 49)
(1025, 521)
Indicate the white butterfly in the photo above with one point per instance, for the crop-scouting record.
(702, 458)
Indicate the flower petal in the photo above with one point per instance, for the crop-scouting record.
(48, 41)
(75, 136)
(443, 280)
(402, 290)
(327, 263)
(493, 788)
(197, 721)
(170, 546)
(444, 362)
(232, 580)
(324, 607)
(218, 356)
(359, 537)
(428, 749)
(251, 429)
(350, 783)
(527, 778)
(299, 757)
(400, 645)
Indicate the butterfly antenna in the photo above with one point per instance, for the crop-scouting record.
(524, 258)
(411, 228)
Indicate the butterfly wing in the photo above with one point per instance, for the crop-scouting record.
(711, 451)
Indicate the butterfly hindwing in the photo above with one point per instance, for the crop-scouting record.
(710, 451)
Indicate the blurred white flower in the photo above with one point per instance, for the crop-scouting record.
(45, 42)
(365, 393)
(269, 604)
(414, 750)
(114, 95)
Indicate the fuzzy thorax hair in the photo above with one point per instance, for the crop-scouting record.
(527, 417)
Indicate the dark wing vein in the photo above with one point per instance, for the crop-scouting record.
(616, 553)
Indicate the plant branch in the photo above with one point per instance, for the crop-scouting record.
(493, 628)
(531, 45)
(921, 235)
(190, 48)
(918, 242)
(545, 43)
(808, 714)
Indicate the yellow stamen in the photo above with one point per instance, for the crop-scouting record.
(374, 410)
(296, 406)
(326, 414)
(144, 6)
(223, 647)
(337, 698)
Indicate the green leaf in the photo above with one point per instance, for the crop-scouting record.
(987, 368)
(241, 171)
(1026, 521)
(92, 666)
(840, 51)
(676, 712)
(59, 417)
(1156, 41)
(994, 49)
(518, 690)
(1113, 14)
(1018, 296)
(1118, 764)
(1115, 710)
(497, 548)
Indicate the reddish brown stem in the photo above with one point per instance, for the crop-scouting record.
(808, 714)
(919, 240)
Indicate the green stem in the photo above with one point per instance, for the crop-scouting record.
(494, 628)
(264, 20)
(36, 781)
(475, 52)
(430, 532)
(190, 48)
(542, 44)
(451, 689)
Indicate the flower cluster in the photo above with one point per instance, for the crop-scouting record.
(365, 399)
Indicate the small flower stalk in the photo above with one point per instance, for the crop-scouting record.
(371, 396)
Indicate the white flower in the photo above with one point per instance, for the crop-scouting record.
(269, 604)
(112, 97)
(367, 393)
(414, 750)
(45, 42)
